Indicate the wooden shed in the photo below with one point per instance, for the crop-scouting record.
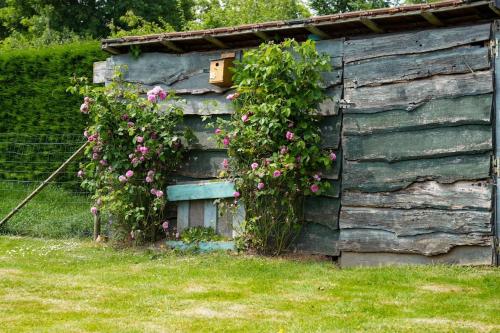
(412, 112)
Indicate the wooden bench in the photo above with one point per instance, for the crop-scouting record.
(196, 206)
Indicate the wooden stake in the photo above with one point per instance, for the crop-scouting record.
(97, 224)
(44, 183)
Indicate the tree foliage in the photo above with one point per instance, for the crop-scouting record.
(326, 7)
(223, 13)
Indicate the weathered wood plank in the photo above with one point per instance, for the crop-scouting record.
(381, 176)
(205, 137)
(460, 195)
(216, 104)
(202, 164)
(436, 113)
(196, 213)
(414, 222)
(410, 95)
(203, 105)
(330, 106)
(322, 210)
(459, 255)
(432, 142)
(99, 73)
(398, 68)
(414, 42)
(210, 214)
(171, 71)
(200, 190)
(182, 215)
(317, 239)
(366, 240)
(330, 127)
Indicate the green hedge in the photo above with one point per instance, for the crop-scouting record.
(33, 84)
(35, 107)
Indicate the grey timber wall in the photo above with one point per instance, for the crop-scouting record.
(188, 75)
(417, 141)
(410, 116)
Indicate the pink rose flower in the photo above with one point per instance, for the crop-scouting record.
(289, 135)
(317, 177)
(151, 173)
(149, 179)
(225, 163)
(260, 185)
(236, 194)
(139, 139)
(284, 150)
(226, 141)
(135, 161)
(333, 156)
(254, 165)
(95, 156)
(218, 131)
(230, 97)
(80, 173)
(164, 225)
(86, 100)
(129, 173)
(93, 210)
(152, 98)
(159, 194)
(84, 108)
(276, 173)
(141, 158)
(162, 95)
(314, 188)
(103, 162)
(244, 118)
(144, 150)
(122, 179)
(86, 134)
(153, 191)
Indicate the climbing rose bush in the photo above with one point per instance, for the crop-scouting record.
(134, 144)
(273, 139)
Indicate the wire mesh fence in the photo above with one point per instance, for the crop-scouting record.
(62, 208)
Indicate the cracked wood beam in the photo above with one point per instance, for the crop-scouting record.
(172, 46)
(110, 49)
(494, 8)
(371, 25)
(432, 19)
(317, 31)
(216, 42)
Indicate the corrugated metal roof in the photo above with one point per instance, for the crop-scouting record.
(384, 20)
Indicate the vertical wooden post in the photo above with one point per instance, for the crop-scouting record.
(97, 224)
(496, 124)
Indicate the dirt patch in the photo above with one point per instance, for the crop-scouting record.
(8, 272)
(457, 324)
(443, 288)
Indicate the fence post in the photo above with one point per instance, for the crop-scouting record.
(97, 224)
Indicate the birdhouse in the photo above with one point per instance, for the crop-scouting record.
(220, 73)
(196, 207)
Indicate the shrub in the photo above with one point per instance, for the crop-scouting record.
(133, 146)
(273, 139)
(34, 101)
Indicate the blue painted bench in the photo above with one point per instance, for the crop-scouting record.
(196, 206)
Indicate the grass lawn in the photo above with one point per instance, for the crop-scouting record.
(53, 213)
(77, 286)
